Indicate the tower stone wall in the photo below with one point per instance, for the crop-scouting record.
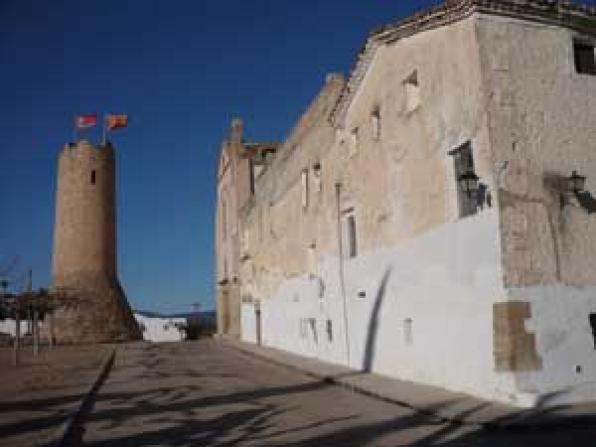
(84, 257)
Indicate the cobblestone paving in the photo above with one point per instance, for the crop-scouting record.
(37, 396)
(207, 394)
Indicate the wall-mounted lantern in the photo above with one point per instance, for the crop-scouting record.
(576, 183)
(469, 182)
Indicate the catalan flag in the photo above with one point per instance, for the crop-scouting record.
(116, 121)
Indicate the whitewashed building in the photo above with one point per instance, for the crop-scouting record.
(161, 329)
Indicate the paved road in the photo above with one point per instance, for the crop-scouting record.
(207, 394)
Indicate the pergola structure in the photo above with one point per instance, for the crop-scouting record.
(42, 302)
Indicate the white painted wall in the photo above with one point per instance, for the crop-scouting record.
(161, 329)
(248, 322)
(9, 326)
(564, 340)
(445, 281)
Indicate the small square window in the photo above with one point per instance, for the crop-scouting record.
(584, 57)
(593, 327)
(412, 91)
(352, 238)
(305, 188)
(354, 141)
(463, 160)
(316, 169)
(375, 123)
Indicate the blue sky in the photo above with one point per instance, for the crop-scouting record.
(181, 69)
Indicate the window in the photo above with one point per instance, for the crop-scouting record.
(375, 124)
(412, 91)
(313, 327)
(464, 163)
(352, 241)
(93, 177)
(304, 179)
(408, 331)
(585, 57)
(302, 327)
(354, 140)
(330, 331)
(593, 326)
(316, 170)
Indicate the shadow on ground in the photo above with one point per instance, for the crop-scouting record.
(193, 414)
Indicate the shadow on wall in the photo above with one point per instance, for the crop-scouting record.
(373, 324)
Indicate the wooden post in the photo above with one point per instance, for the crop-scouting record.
(17, 337)
(35, 330)
(50, 317)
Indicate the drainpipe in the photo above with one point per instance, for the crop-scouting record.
(342, 284)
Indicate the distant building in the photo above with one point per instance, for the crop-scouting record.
(423, 219)
(8, 326)
(240, 164)
(161, 329)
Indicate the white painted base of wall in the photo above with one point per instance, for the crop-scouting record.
(248, 323)
(422, 311)
(565, 343)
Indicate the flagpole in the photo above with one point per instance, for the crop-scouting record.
(74, 130)
(103, 138)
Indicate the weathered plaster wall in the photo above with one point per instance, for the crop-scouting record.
(233, 189)
(280, 235)
(410, 161)
(542, 116)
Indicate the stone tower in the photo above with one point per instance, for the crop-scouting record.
(84, 258)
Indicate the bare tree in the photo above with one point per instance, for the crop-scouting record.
(10, 272)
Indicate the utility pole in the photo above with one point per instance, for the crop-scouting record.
(35, 305)
(342, 285)
(196, 307)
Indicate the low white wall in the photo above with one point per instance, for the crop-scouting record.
(9, 326)
(420, 311)
(161, 329)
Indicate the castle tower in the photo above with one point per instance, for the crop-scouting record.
(84, 258)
